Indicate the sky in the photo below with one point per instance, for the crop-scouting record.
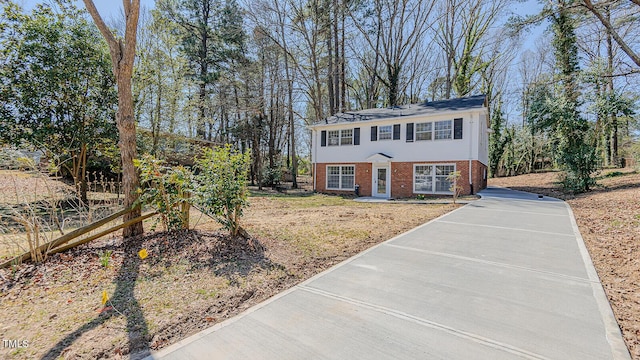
(107, 8)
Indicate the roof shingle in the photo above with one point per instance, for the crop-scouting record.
(425, 108)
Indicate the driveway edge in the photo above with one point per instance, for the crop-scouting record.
(613, 334)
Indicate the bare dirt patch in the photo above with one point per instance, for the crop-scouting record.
(190, 280)
(609, 221)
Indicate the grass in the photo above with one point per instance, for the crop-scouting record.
(302, 235)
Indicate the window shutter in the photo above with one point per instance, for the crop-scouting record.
(374, 133)
(356, 136)
(323, 138)
(409, 132)
(457, 128)
(396, 132)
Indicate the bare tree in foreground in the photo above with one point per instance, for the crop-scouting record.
(122, 56)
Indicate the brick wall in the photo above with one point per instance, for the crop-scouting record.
(402, 177)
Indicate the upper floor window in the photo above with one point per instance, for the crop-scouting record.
(438, 130)
(385, 132)
(334, 137)
(340, 137)
(346, 137)
(424, 131)
(443, 129)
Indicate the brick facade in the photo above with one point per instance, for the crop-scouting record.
(402, 177)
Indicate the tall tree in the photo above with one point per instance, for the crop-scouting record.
(571, 130)
(212, 36)
(463, 31)
(394, 28)
(58, 87)
(123, 52)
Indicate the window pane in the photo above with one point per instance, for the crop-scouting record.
(333, 182)
(385, 132)
(348, 181)
(444, 170)
(423, 131)
(346, 137)
(443, 129)
(348, 170)
(348, 177)
(333, 137)
(442, 183)
(423, 179)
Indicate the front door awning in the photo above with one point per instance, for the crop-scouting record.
(379, 157)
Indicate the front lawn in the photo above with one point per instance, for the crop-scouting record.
(190, 280)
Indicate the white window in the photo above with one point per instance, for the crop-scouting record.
(346, 137)
(443, 184)
(443, 129)
(333, 137)
(432, 178)
(341, 177)
(385, 132)
(423, 178)
(424, 131)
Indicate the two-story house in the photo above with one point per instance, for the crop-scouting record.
(403, 151)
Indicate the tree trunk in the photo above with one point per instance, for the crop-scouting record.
(122, 58)
(125, 122)
(331, 69)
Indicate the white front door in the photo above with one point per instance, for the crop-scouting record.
(381, 180)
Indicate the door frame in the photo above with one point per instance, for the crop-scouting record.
(374, 180)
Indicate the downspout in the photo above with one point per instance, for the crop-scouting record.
(471, 154)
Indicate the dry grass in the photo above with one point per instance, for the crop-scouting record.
(609, 221)
(191, 280)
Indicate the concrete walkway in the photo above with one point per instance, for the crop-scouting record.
(505, 277)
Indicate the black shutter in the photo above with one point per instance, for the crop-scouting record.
(396, 132)
(409, 132)
(323, 138)
(374, 133)
(457, 128)
(356, 136)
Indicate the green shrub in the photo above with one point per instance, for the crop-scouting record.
(222, 185)
(167, 190)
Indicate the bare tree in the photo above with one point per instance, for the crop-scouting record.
(462, 32)
(394, 28)
(123, 52)
(601, 11)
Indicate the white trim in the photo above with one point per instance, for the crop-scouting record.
(450, 121)
(433, 177)
(374, 178)
(379, 129)
(379, 158)
(339, 188)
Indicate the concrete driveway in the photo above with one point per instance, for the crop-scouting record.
(505, 277)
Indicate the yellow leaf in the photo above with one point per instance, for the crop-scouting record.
(143, 254)
(105, 297)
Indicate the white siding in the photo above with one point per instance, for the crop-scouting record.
(472, 146)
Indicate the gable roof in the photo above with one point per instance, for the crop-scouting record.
(425, 108)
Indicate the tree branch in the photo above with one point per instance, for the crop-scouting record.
(589, 5)
(108, 35)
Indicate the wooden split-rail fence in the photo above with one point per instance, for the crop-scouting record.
(66, 242)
